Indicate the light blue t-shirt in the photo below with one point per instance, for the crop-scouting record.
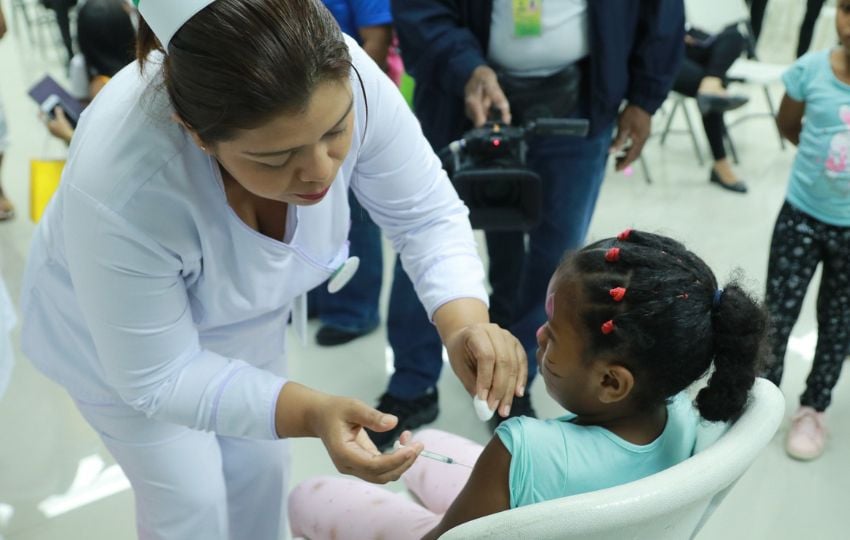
(556, 458)
(820, 177)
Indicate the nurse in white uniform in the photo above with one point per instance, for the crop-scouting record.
(205, 191)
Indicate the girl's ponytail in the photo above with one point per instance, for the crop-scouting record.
(739, 324)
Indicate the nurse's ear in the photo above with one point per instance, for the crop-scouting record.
(195, 137)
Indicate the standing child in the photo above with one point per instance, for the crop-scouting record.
(814, 227)
(632, 322)
(7, 211)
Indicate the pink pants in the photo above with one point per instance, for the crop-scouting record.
(349, 509)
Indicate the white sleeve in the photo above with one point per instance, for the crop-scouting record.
(134, 301)
(402, 184)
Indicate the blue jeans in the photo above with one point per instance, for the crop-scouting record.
(572, 170)
(355, 307)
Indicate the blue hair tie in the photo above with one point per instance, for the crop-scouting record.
(717, 294)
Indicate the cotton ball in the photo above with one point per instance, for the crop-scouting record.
(482, 409)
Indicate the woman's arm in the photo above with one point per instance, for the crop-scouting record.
(135, 304)
(789, 119)
(338, 421)
(400, 181)
(486, 492)
(488, 360)
(376, 42)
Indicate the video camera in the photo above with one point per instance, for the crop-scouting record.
(488, 169)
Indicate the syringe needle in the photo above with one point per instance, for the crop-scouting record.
(435, 456)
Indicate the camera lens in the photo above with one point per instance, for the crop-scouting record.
(499, 193)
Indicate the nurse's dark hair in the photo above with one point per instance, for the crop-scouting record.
(648, 303)
(237, 63)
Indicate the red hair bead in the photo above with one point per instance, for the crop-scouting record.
(608, 327)
(613, 254)
(617, 293)
(623, 236)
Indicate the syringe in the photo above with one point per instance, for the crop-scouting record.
(433, 455)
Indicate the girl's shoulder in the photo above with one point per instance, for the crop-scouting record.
(814, 57)
(515, 431)
(812, 62)
(806, 71)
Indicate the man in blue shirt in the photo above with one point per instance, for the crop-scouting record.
(627, 51)
(353, 311)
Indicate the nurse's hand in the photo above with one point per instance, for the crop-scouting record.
(341, 428)
(303, 412)
(490, 363)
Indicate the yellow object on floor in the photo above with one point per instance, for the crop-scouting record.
(44, 179)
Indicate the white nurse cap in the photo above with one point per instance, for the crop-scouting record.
(166, 17)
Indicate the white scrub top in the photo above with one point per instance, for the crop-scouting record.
(144, 287)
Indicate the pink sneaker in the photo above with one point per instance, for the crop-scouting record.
(807, 435)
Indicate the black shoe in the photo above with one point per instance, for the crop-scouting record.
(709, 103)
(521, 407)
(738, 187)
(328, 336)
(411, 414)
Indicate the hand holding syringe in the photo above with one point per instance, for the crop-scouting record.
(434, 456)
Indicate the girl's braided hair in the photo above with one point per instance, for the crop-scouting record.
(656, 307)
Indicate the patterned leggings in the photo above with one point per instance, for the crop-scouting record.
(799, 243)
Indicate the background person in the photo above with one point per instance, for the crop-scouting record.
(607, 51)
(106, 38)
(62, 9)
(7, 209)
(807, 26)
(813, 228)
(703, 76)
(353, 311)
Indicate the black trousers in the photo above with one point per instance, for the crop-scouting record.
(711, 61)
(800, 242)
(807, 28)
(757, 9)
(62, 9)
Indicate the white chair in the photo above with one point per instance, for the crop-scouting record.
(673, 504)
(713, 17)
(680, 104)
(750, 71)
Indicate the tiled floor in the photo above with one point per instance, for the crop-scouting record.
(58, 482)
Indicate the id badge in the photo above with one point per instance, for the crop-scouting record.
(528, 18)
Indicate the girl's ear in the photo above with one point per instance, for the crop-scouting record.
(616, 382)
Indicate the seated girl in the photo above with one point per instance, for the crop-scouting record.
(631, 322)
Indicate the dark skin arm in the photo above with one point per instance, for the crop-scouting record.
(789, 119)
(634, 125)
(486, 492)
(376, 42)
